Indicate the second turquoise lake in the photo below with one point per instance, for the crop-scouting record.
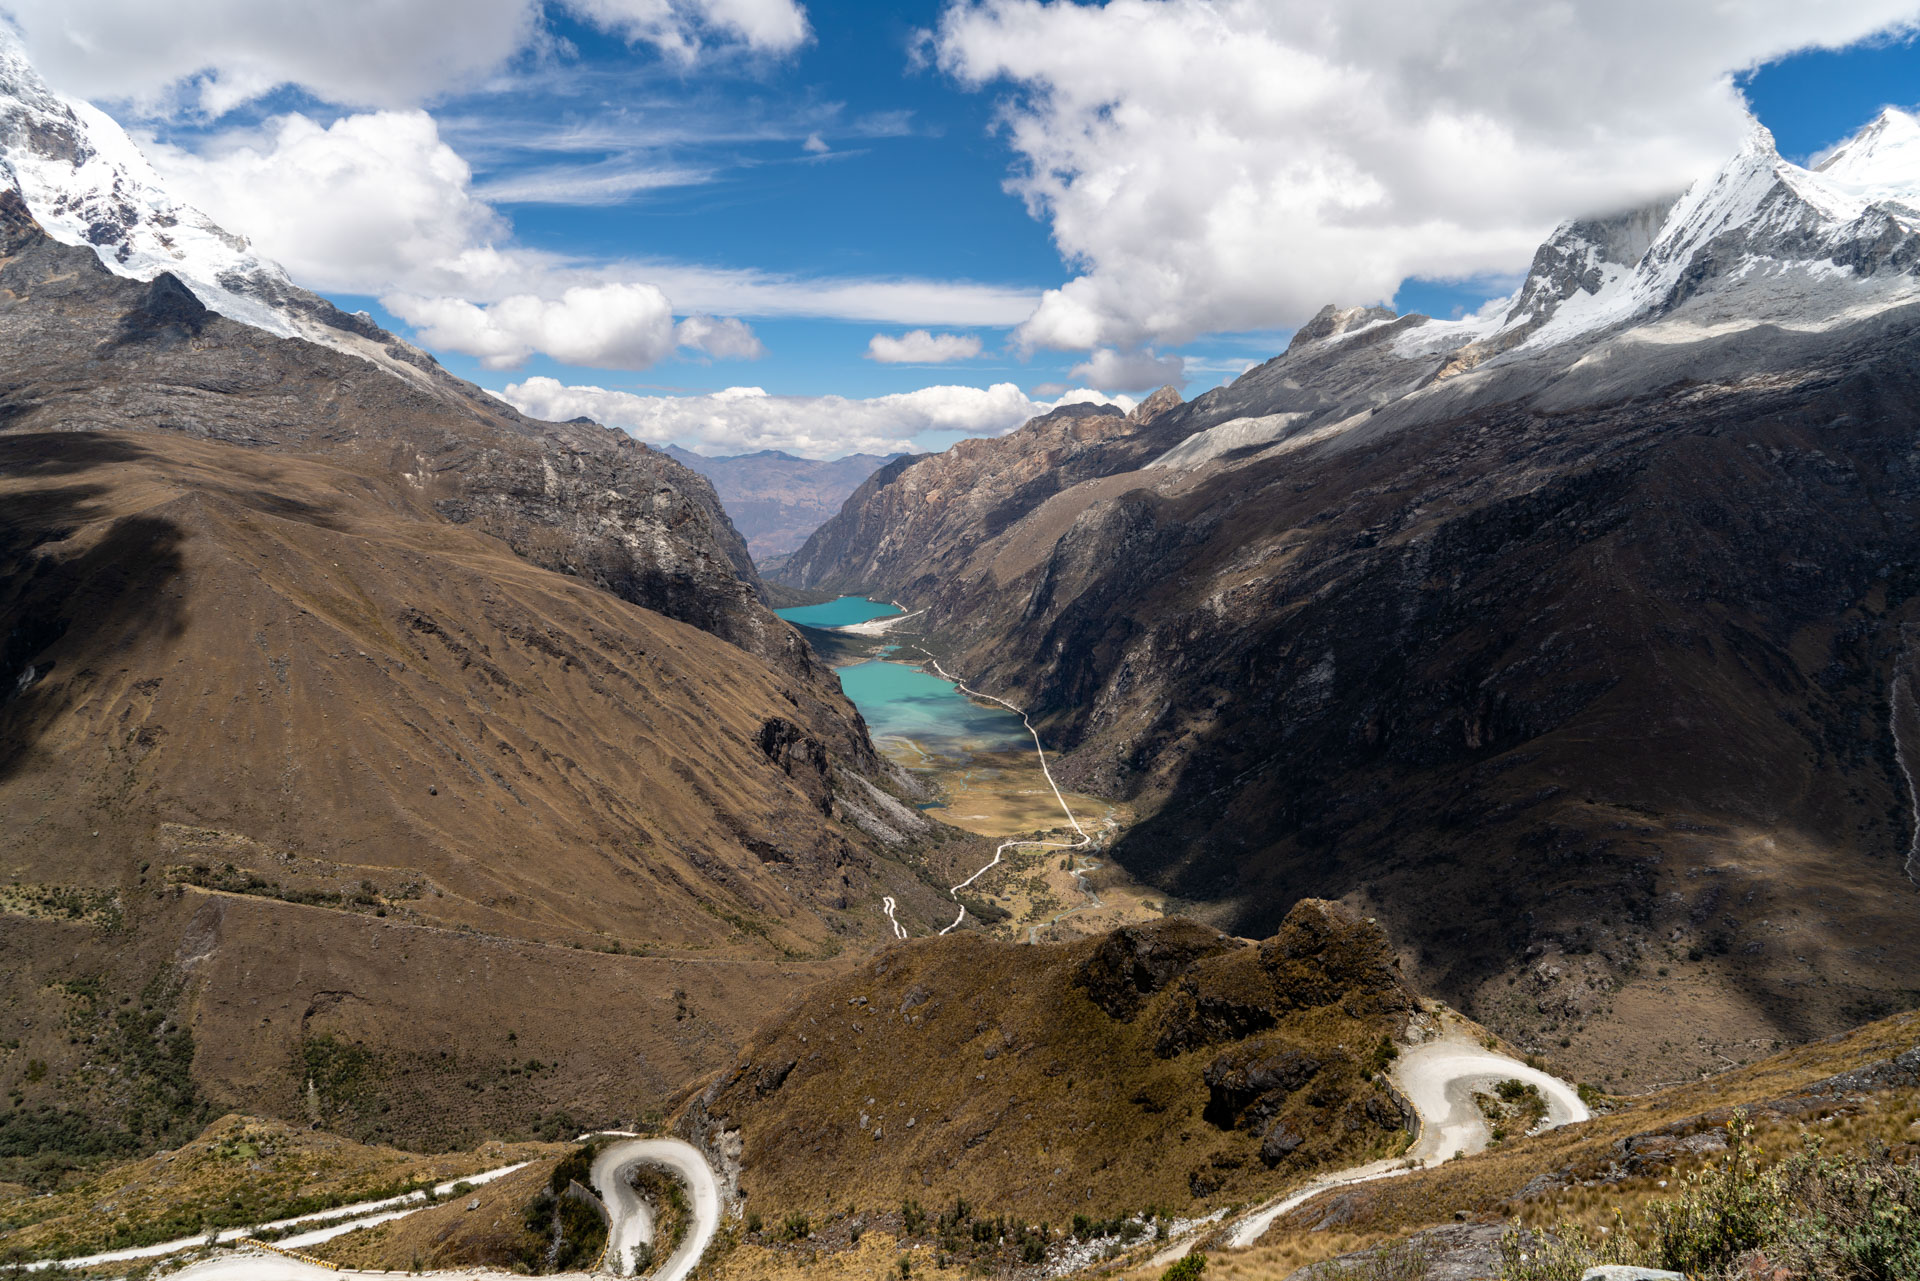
(905, 702)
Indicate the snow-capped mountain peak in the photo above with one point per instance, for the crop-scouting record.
(87, 183)
(1880, 163)
(1815, 241)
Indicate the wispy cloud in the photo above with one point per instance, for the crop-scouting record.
(380, 204)
(608, 182)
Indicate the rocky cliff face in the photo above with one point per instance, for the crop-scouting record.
(1570, 639)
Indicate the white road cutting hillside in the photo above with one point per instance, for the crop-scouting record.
(340, 1220)
(1439, 1079)
(632, 1219)
(631, 1223)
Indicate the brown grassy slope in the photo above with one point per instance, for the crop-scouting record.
(1051, 1080)
(240, 1170)
(280, 676)
(455, 1234)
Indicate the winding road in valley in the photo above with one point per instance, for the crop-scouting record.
(1000, 853)
(631, 1219)
(1438, 1078)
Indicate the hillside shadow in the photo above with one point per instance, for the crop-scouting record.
(75, 582)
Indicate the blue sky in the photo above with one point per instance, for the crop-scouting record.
(948, 146)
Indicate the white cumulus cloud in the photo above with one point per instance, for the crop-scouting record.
(743, 419)
(622, 326)
(1130, 370)
(363, 204)
(728, 339)
(918, 347)
(1217, 165)
(212, 55)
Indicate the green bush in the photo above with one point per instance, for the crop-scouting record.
(1186, 1268)
(1815, 1217)
(1723, 1211)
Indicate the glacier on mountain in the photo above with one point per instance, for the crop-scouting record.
(1767, 237)
(87, 183)
(1708, 284)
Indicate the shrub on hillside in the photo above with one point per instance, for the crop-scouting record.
(1186, 1268)
(1809, 1216)
(1396, 1261)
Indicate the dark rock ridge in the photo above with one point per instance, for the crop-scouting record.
(1572, 641)
(924, 512)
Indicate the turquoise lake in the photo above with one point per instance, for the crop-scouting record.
(839, 613)
(905, 702)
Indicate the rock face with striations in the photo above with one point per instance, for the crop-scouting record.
(1572, 640)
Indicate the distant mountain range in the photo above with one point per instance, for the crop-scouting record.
(1574, 640)
(775, 499)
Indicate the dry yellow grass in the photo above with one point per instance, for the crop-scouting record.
(241, 1170)
(484, 1228)
(875, 1257)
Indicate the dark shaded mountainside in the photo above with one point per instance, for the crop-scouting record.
(1573, 642)
(372, 755)
(776, 499)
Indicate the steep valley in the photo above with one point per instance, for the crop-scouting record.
(1582, 663)
(1440, 805)
(776, 499)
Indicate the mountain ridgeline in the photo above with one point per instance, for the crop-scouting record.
(1573, 640)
